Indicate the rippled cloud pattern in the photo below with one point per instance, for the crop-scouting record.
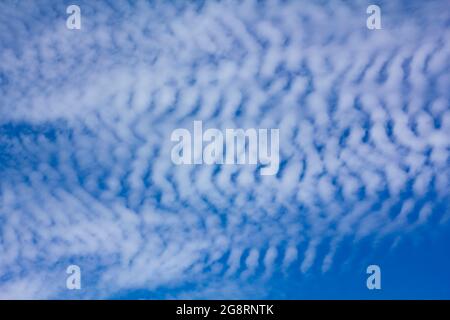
(86, 116)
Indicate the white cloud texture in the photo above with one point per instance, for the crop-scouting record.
(86, 117)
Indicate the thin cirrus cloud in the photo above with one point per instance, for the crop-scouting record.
(86, 117)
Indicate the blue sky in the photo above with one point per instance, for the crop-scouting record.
(86, 176)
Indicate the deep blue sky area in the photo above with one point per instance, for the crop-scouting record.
(413, 271)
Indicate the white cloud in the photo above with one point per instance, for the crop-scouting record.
(104, 190)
